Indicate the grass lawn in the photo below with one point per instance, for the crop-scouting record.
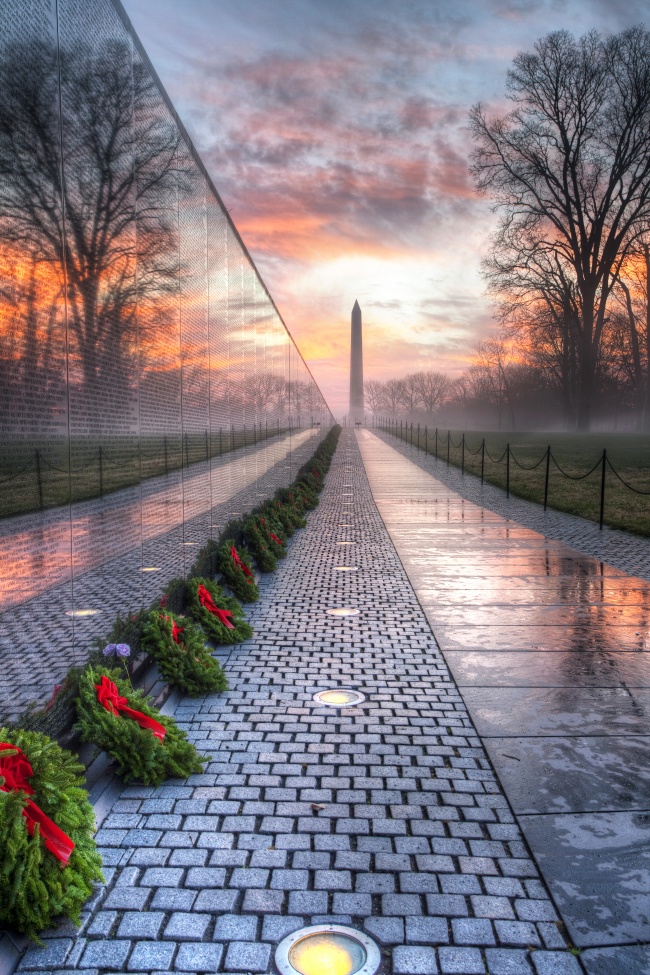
(575, 454)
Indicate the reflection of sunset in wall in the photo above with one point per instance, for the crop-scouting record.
(337, 136)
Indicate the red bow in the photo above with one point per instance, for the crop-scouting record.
(278, 541)
(108, 696)
(223, 615)
(15, 770)
(176, 632)
(238, 562)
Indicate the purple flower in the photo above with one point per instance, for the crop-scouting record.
(123, 650)
(110, 650)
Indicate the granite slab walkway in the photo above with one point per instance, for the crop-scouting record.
(387, 816)
(550, 651)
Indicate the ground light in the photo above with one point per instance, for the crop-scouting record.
(82, 612)
(342, 611)
(328, 949)
(339, 697)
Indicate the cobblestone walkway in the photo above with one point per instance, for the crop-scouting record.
(386, 816)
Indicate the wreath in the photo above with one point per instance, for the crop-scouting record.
(235, 567)
(264, 543)
(48, 859)
(221, 616)
(179, 649)
(285, 516)
(147, 746)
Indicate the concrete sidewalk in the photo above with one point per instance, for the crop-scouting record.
(550, 651)
(387, 816)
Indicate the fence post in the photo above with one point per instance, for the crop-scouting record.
(426, 439)
(165, 447)
(507, 470)
(482, 459)
(187, 450)
(462, 463)
(418, 436)
(411, 433)
(220, 441)
(207, 446)
(548, 468)
(39, 479)
(101, 474)
(254, 433)
(602, 490)
(400, 429)
(448, 442)
(436, 443)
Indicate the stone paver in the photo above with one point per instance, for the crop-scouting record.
(386, 816)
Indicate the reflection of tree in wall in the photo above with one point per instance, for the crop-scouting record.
(90, 223)
(266, 393)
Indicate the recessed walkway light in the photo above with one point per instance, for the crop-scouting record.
(346, 568)
(345, 543)
(343, 611)
(327, 949)
(150, 568)
(83, 612)
(339, 697)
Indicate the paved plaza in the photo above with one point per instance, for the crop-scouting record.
(387, 816)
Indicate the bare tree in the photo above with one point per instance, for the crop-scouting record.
(433, 389)
(89, 189)
(492, 370)
(374, 395)
(569, 167)
(393, 395)
(634, 294)
(409, 392)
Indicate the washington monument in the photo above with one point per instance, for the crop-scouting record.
(356, 366)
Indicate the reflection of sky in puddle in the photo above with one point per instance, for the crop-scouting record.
(36, 550)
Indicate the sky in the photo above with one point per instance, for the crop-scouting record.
(335, 132)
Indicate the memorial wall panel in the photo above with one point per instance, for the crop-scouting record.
(148, 384)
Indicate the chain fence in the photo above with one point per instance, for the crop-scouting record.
(422, 439)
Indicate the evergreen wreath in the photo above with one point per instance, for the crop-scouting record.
(235, 567)
(312, 481)
(308, 495)
(178, 647)
(294, 499)
(214, 628)
(36, 890)
(264, 543)
(139, 754)
(285, 516)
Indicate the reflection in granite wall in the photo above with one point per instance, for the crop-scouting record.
(149, 390)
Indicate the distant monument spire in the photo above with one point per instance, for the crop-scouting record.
(356, 366)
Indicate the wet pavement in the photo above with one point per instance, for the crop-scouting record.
(385, 815)
(551, 652)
